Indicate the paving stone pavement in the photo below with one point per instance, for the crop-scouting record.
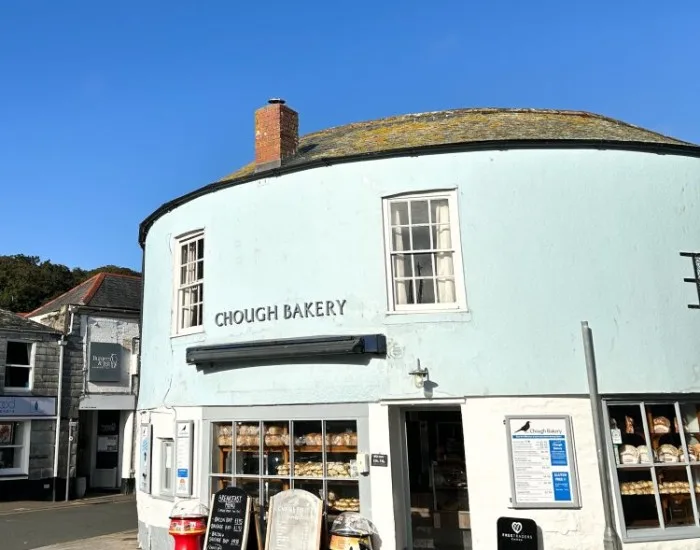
(126, 540)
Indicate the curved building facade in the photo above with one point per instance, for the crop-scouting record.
(388, 314)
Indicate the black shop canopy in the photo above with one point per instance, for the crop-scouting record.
(288, 348)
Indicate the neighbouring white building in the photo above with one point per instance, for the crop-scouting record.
(387, 314)
(100, 320)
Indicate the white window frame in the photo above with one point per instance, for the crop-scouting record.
(460, 303)
(23, 469)
(30, 367)
(163, 489)
(179, 241)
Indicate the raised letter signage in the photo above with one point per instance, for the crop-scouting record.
(277, 312)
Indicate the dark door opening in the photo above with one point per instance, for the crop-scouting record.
(438, 480)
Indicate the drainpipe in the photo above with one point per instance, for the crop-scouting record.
(57, 440)
(610, 538)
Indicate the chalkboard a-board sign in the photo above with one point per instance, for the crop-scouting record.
(294, 522)
(229, 520)
(517, 534)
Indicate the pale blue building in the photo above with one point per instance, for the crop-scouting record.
(358, 312)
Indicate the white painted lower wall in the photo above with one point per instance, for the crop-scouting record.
(487, 472)
(154, 509)
(489, 482)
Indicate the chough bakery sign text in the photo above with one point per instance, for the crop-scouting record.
(299, 310)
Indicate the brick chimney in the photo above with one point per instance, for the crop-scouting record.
(276, 134)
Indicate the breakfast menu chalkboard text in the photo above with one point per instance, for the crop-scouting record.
(229, 520)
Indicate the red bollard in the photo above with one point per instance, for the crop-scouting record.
(188, 531)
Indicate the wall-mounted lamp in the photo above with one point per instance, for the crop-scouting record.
(420, 375)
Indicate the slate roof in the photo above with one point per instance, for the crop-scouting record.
(12, 321)
(486, 128)
(463, 126)
(104, 290)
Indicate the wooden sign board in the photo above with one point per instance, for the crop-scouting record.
(229, 520)
(517, 534)
(295, 521)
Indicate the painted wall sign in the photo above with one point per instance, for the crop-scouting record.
(183, 458)
(517, 534)
(300, 310)
(11, 405)
(145, 444)
(542, 463)
(380, 460)
(105, 362)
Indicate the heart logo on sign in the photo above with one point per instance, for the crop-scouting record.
(517, 527)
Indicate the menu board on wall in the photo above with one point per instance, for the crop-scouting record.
(229, 520)
(183, 458)
(294, 522)
(145, 443)
(542, 462)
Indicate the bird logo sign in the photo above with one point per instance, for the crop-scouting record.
(524, 428)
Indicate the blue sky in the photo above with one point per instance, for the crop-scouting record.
(109, 109)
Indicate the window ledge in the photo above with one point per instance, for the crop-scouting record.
(12, 477)
(185, 334)
(661, 535)
(427, 316)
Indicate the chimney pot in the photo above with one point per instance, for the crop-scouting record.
(276, 134)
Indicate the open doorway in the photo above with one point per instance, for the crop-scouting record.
(437, 479)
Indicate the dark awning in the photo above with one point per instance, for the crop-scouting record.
(289, 348)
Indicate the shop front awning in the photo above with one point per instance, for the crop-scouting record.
(289, 348)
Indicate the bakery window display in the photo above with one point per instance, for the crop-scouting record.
(656, 448)
(272, 456)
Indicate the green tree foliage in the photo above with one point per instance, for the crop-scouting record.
(26, 282)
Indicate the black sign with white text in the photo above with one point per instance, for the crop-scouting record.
(517, 534)
(229, 520)
(380, 460)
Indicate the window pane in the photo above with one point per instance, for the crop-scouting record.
(628, 419)
(200, 249)
(308, 449)
(403, 292)
(250, 486)
(168, 465)
(183, 275)
(341, 448)
(439, 211)
(423, 265)
(343, 496)
(248, 448)
(218, 483)
(399, 213)
(674, 491)
(276, 447)
(419, 212)
(8, 433)
(313, 487)
(421, 237)
(664, 433)
(9, 458)
(446, 291)
(425, 291)
(638, 501)
(18, 353)
(200, 270)
(183, 254)
(400, 239)
(444, 264)
(221, 457)
(402, 265)
(17, 377)
(441, 237)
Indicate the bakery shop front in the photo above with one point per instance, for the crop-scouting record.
(655, 450)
